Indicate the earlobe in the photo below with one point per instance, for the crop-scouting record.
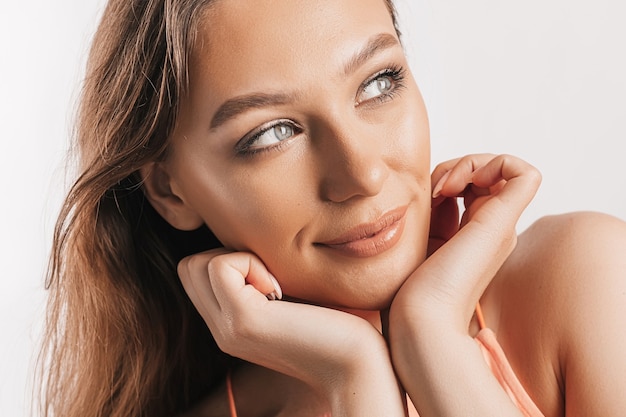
(156, 186)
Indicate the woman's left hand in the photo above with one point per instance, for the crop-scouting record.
(464, 256)
(434, 356)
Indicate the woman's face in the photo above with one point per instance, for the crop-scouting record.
(304, 140)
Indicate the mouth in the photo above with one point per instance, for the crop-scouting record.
(370, 239)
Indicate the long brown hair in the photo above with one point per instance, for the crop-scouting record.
(122, 339)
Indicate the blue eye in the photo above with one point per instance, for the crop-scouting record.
(268, 136)
(376, 87)
(381, 86)
(280, 132)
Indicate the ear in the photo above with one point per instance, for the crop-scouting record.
(157, 189)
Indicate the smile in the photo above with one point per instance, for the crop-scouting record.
(370, 239)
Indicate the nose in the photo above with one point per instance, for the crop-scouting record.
(351, 161)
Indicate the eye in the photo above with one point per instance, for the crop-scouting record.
(276, 133)
(376, 87)
(381, 86)
(267, 136)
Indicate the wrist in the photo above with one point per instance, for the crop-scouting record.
(367, 384)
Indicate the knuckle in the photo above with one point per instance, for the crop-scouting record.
(195, 263)
(475, 161)
(508, 162)
(183, 267)
(198, 262)
(505, 158)
(535, 175)
(217, 264)
(186, 268)
(441, 168)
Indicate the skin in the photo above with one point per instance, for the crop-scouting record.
(360, 149)
(346, 165)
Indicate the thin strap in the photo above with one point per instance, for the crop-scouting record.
(231, 396)
(480, 317)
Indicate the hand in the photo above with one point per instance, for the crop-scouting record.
(464, 256)
(338, 354)
(436, 360)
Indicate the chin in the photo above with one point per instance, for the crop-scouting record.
(370, 292)
(379, 300)
(358, 283)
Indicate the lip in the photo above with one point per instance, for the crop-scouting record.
(370, 239)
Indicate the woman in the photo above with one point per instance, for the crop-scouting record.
(288, 141)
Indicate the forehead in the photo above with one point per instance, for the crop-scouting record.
(277, 41)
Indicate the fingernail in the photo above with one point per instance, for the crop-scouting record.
(278, 292)
(440, 184)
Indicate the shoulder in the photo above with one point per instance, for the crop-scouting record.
(574, 256)
(569, 248)
(568, 262)
(576, 236)
(562, 303)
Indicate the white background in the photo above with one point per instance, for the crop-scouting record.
(542, 79)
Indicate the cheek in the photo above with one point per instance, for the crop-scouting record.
(410, 148)
(251, 209)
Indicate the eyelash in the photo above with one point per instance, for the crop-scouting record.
(245, 148)
(396, 73)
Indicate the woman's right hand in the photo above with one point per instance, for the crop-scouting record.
(341, 356)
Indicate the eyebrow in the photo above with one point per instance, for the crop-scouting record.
(238, 105)
(375, 45)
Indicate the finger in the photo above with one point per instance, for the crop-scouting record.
(452, 177)
(442, 168)
(193, 274)
(521, 181)
(243, 275)
(498, 189)
(473, 176)
(474, 197)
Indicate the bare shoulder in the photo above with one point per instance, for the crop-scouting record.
(571, 255)
(561, 308)
(564, 253)
(586, 234)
